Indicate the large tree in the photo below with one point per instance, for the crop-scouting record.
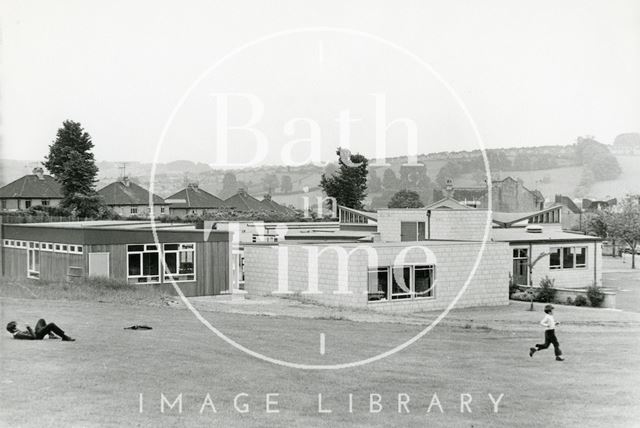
(348, 185)
(624, 224)
(71, 162)
(406, 199)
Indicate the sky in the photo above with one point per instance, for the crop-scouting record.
(150, 79)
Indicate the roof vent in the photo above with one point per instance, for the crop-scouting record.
(534, 228)
(125, 180)
(193, 186)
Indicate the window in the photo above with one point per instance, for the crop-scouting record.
(143, 264)
(27, 203)
(400, 283)
(581, 257)
(133, 210)
(568, 258)
(161, 210)
(45, 202)
(6, 243)
(554, 259)
(179, 262)
(423, 281)
(412, 231)
(378, 284)
(33, 261)
(4, 204)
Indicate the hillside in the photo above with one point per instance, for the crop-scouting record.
(550, 169)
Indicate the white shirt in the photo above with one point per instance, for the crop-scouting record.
(548, 322)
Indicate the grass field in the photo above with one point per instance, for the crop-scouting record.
(97, 381)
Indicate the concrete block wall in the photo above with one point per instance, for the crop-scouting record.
(451, 224)
(453, 260)
(568, 278)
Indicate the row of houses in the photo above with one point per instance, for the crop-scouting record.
(129, 199)
(392, 259)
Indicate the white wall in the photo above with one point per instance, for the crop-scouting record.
(454, 262)
(567, 278)
(467, 225)
(143, 210)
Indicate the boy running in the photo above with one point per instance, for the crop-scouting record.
(549, 324)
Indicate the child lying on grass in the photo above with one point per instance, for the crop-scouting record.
(42, 329)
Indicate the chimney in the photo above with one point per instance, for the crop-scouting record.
(125, 181)
(193, 186)
(267, 197)
(448, 188)
(242, 191)
(38, 172)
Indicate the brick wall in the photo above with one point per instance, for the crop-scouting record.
(467, 225)
(453, 261)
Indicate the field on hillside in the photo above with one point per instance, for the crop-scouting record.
(628, 182)
(115, 377)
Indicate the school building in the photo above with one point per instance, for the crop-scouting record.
(420, 259)
(198, 260)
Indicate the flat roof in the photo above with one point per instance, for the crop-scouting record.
(548, 234)
(106, 232)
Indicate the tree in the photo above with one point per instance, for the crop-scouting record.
(389, 180)
(229, 184)
(348, 185)
(71, 162)
(624, 223)
(374, 184)
(286, 185)
(597, 223)
(405, 199)
(451, 169)
(596, 157)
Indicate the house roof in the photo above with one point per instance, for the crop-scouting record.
(194, 197)
(548, 234)
(447, 203)
(270, 205)
(244, 202)
(31, 186)
(119, 193)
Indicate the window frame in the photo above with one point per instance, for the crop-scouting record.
(400, 297)
(136, 279)
(574, 251)
(177, 276)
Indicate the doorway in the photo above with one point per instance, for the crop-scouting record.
(521, 266)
